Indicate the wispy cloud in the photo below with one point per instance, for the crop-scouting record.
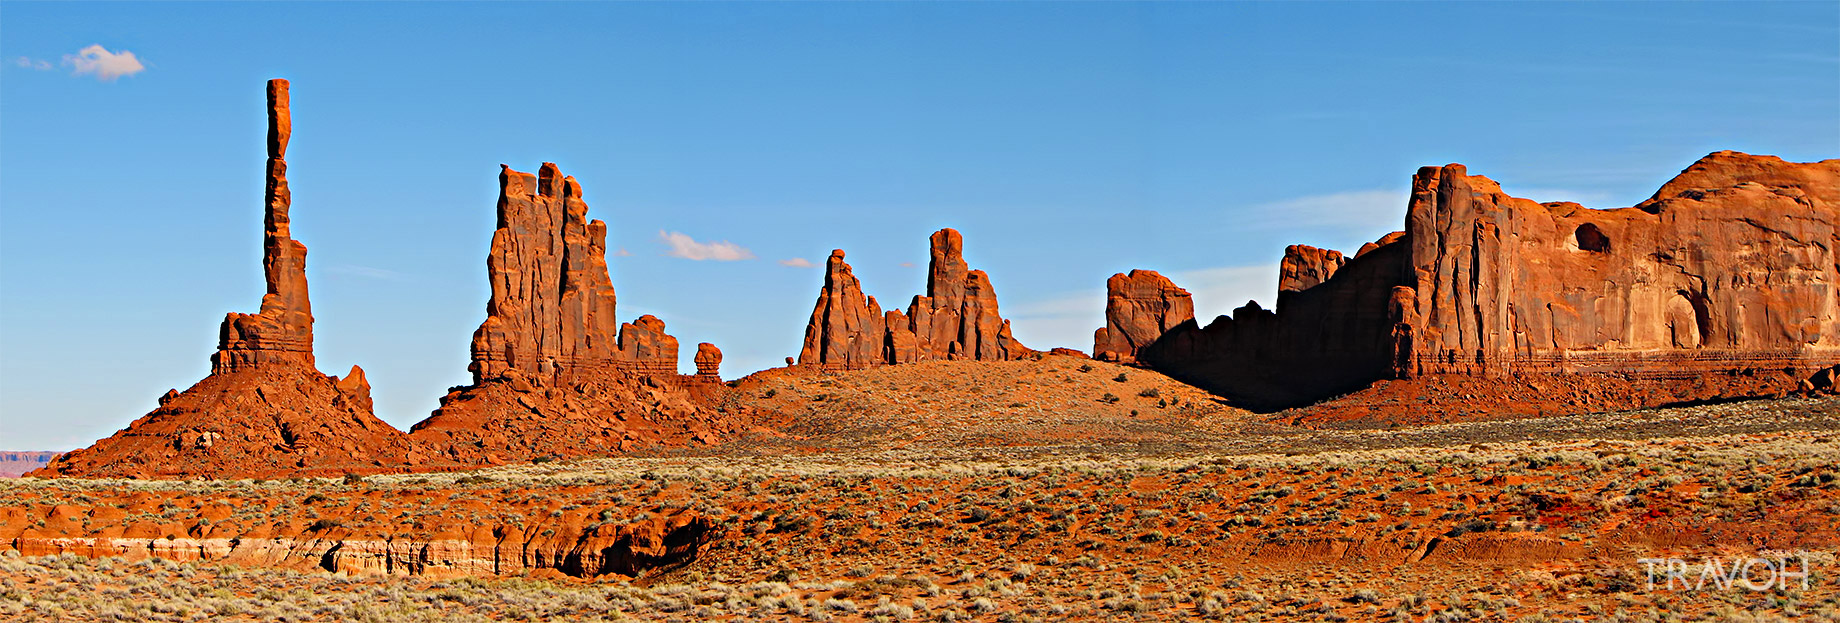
(366, 272)
(33, 63)
(622, 252)
(104, 65)
(797, 262)
(682, 245)
(1360, 209)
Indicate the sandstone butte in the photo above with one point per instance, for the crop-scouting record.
(554, 375)
(957, 318)
(1722, 284)
(265, 408)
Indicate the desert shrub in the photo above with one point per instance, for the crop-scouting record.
(1109, 398)
(1086, 367)
(1473, 525)
(1149, 392)
(1121, 377)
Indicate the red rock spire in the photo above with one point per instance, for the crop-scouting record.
(283, 330)
(551, 312)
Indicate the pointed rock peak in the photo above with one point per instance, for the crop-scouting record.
(354, 383)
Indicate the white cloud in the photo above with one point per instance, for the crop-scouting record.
(32, 63)
(797, 262)
(622, 252)
(105, 65)
(682, 245)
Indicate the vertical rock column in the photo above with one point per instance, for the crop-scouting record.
(552, 306)
(958, 318)
(283, 330)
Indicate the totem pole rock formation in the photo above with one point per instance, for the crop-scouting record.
(554, 374)
(264, 410)
(1724, 283)
(283, 330)
(957, 318)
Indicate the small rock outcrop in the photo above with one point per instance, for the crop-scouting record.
(708, 362)
(554, 374)
(264, 410)
(957, 318)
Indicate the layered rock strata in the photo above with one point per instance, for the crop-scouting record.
(1728, 271)
(957, 318)
(264, 410)
(708, 362)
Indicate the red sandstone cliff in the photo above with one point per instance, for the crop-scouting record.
(554, 373)
(957, 318)
(1140, 308)
(264, 410)
(1722, 284)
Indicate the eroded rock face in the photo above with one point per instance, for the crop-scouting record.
(554, 374)
(845, 331)
(957, 318)
(282, 332)
(1730, 269)
(552, 302)
(1303, 267)
(264, 410)
(1731, 266)
(1140, 308)
(551, 313)
(708, 362)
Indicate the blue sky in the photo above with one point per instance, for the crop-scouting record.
(1066, 141)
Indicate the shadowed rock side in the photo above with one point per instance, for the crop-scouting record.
(1721, 285)
(554, 374)
(264, 410)
(957, 318)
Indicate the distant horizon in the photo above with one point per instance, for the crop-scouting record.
(730, 147)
